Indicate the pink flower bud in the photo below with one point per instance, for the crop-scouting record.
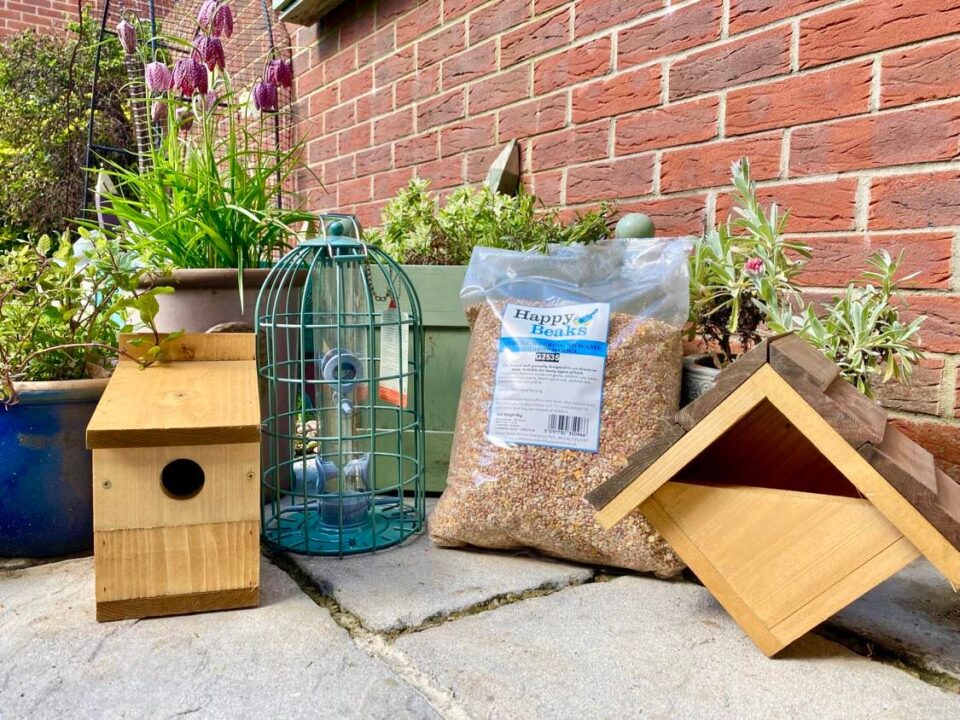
(209, 51)
(223, 21)
(127, 34)
(280, 73)
(158, 77)
(754, 265)
(265, 96)
(207, 11)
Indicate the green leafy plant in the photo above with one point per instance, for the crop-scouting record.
(62, 309)
(208, 193)
(861, 330)
(741, 273)
(44, 106)
(418, 230)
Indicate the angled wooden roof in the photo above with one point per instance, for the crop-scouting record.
(891, 471)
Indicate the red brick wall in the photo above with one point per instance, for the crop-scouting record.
(16, 15)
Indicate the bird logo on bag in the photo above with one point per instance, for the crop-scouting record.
(586, 319)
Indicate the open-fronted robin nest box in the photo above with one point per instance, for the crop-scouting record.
(176, 467)
(788, 493)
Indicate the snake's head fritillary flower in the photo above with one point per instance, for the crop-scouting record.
(280, 73)
(753, 266)
(127, 34)
(209, 51)
(223, 21)
(158, 77)
(265, 96)
(207, 11)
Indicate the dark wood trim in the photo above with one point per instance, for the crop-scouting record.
(110, 610)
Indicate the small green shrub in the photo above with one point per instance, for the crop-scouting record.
(420, 230)
(45, 84)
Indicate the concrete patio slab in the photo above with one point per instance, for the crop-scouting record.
(408, 585)
(285, 659)
(916, 614)
(638, 647)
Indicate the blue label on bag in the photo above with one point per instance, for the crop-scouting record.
(549, 382)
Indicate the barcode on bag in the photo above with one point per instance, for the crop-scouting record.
(568, 424)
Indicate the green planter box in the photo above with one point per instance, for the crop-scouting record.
(446, 336)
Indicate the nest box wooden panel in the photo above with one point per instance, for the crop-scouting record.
(788, 493)
(176, 473)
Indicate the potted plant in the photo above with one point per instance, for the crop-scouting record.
(61, 312)
(743, 286)
(211, 198)
(433, 240)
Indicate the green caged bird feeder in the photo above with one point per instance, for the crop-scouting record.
(340, 358)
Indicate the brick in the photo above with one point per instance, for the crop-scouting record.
(573, 145)
(814, 207)
(941, 331)
(610, 179)
(497, 17)
(391, 9)
(393, 126)
(415, 150)
(675, 124)
(672, 216)
(369, 214)
(442, 44)
(548, 187)
(595, 15)
(422, 84)
(355, 138)
(394, 67)
(919, 394)
(669, 33)
(386, 185)
(320, 101)
(926, 72)
(312, 79)
(356, 85)
(915, 201)
(340, 65)
(939, 438)
(419, 22)
(478, 163)
(379, 102)
(822, 95)
(456, 8)
(533, 117)
(708, 165)
(469, 65)
(749, 14)
(376, 46)
(731, 63)
(535, 38)
(872, 25)
(442, 173)
(839, 258)
(358, 25)
(321, 149)
(501, 89)
(338, 170)
(339, 118)
(583, 62)
(441, 109)
(470, 134)
(354, 191)
(617, 95)
(898, 137)
(375, 160)
(542, 6)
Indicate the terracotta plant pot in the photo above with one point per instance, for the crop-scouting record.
(46, 475)
(205, 298)
(699, 376)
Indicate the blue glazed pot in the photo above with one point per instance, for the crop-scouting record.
(46, 493)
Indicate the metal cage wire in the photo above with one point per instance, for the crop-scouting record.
(342, 397)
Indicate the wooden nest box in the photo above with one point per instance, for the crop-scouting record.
(176, 481)
(788, 493)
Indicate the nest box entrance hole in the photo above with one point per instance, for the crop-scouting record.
(764, 449)
(182, 479)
